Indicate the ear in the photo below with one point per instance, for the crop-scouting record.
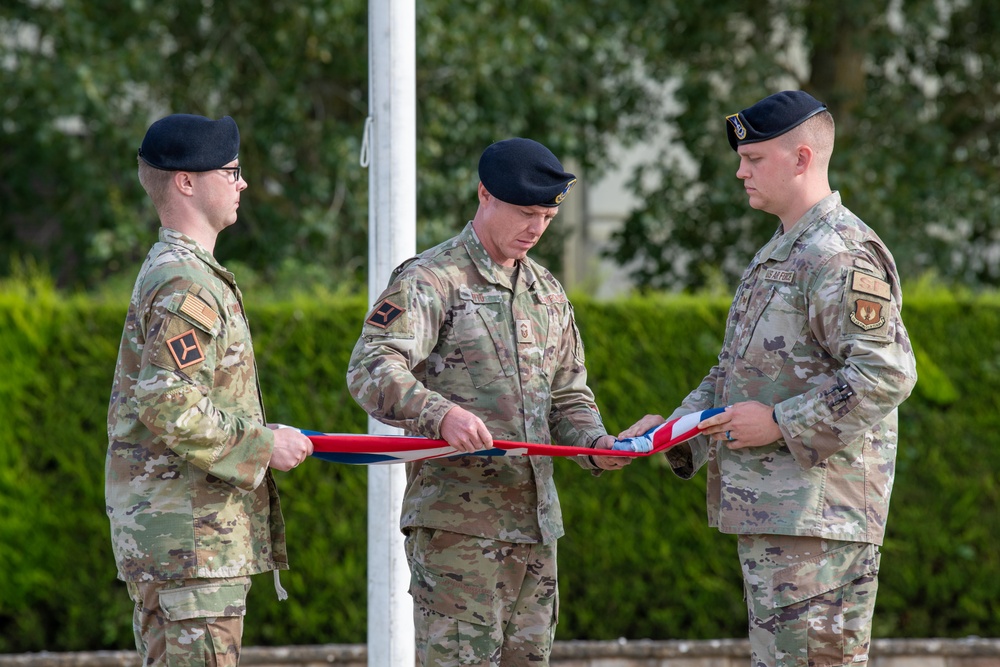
(484, 194)
(804, 157)
(184, 182)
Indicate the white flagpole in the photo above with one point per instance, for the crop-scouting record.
(391, 239)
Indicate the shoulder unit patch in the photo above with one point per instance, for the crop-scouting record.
(867, 314)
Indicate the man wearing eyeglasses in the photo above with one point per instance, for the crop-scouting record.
(189, 491)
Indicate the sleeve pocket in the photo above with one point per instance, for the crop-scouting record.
(869, 310)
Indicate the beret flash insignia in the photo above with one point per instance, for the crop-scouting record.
(562, 195)
(738, 128)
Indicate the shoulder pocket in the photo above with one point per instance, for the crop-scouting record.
(185, 336)
(389, 318)
(190, 307)
(869, 311)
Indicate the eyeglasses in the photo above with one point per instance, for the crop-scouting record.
(237, 172)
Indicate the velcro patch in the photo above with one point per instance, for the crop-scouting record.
(779, 275)
(525, 332)
(384, 314)
(199, 311)
(185, 349)
(862, 282)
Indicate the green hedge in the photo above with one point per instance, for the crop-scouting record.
(638, 560)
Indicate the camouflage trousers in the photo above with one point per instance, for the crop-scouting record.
(810, 600)
(478, 601)
(189, 622)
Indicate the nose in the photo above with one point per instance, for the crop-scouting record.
(743, 171)
(538, 224)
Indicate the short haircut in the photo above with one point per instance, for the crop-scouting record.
(156, 183)
(818, 133)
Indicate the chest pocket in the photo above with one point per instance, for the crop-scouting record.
(777, 328)
(482, 330)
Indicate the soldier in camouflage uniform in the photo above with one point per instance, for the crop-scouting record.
(814, 364)
(472, 341)
(192, 502)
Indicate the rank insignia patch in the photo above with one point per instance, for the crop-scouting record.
(867, 314)
(525, 334)
(185, 349)
(385, 314)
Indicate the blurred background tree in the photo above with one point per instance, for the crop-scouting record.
(83, 80)
(912, 86)
(911, 83)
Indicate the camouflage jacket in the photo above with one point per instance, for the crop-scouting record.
(188, 488)
(814, 329)
(452, 330)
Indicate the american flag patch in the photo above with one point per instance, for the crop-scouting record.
(199, 311)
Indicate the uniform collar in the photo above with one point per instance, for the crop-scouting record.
(174, 237)
(488, 268)
(780, 247)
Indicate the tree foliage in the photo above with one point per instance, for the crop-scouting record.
(911, 84)
(909, 81)
(83, 80)
(86, 79)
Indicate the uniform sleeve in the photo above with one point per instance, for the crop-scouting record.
(398, 335)
(855, 315)
(574, 418)
(182, 366)
(687, 458)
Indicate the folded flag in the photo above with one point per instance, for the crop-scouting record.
(378, 449)
(666, 434)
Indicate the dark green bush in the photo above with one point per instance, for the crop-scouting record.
(638, 560)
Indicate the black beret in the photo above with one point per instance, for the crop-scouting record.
(183, 142)
(524, 173)
(771, 117)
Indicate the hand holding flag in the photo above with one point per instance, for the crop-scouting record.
(667, 434)
(379, 449)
